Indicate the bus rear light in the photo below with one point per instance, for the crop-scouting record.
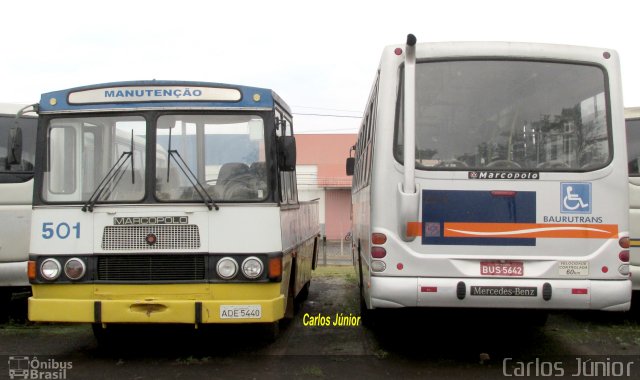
(398, 51)
(400, 266)
(579, 291)
(624, 242)
(275, 268)
(624, 256)
(31, 270)
(624, 269)
(378, 266)
(378, 252)
(378, 238)
(605, 269)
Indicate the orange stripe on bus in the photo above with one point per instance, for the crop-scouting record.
(414, 229)
(531, 230)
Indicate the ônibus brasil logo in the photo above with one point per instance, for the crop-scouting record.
(25, 367)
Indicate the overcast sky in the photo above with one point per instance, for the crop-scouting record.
(320, 56)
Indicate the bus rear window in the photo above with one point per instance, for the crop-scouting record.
(633, 146)
(509, 115)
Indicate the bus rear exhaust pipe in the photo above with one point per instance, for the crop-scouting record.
(408, 193)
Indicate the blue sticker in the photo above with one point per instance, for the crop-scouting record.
(475, 206)
(575, 198)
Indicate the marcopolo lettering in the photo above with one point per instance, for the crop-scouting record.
(138, 220)
(503, 175)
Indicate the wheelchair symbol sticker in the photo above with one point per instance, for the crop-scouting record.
(575, 198)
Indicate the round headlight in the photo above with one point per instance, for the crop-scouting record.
(227, 268)
(50, 269)
(252, 267)
(74, 269)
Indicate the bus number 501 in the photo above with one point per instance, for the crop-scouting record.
(61, 230)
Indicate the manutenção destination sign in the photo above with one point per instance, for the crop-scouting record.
(154, 93)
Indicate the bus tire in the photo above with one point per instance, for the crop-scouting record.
(270, 331)
(303, 294)
(5, 304)
(367, 316)
(105, 337)
(536, 318)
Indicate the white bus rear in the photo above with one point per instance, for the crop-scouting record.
(514, 195)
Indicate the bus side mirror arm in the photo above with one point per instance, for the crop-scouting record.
(408, 196)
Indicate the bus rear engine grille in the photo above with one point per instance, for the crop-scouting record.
(129, 238)
(146, 268)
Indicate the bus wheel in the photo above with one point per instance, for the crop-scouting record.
(105, 337)
(536, 318)
(368, 316)
(5, 304)
(304, 293)
(270, 331)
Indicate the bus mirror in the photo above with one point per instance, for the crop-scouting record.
(287, 153)
(351, 163)
(14, 151)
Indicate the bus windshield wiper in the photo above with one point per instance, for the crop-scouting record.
(193, 179)
(108, 178)
(111, 174)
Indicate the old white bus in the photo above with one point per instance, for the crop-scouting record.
(17, 158)
(168, 202)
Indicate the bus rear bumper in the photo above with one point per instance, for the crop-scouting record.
(394, 292)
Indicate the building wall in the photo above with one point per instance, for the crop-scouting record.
(337, 213)
(321, 174)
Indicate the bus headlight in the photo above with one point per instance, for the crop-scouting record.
(50, 269)
(227, 268)
(74, 269)
(252, 267)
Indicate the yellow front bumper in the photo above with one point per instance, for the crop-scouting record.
(183, 303)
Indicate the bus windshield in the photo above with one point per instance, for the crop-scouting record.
(509, 115)
(82, 152)
(226, 153)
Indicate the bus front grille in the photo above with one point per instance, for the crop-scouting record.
(134, 238)
(144, 268)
